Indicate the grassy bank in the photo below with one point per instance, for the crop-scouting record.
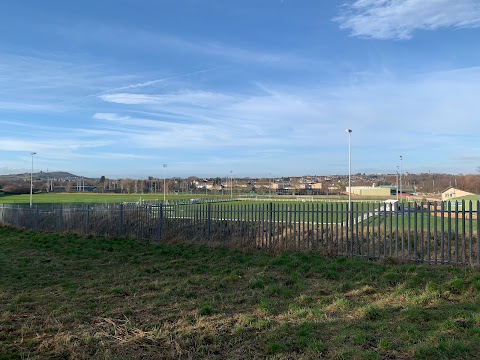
(70, 297)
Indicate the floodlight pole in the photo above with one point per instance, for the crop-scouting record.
(31, 181)
(164, 182)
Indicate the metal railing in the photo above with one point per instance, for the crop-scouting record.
(438, 233)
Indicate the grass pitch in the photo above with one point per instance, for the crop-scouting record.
(86, 198)
(71, 297)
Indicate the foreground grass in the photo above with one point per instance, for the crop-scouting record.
(71, 297)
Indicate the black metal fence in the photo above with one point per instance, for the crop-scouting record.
(439, 233)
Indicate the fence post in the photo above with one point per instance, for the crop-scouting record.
(464, 233)
(270, 225)
(350, 214)
(470, 231)
(160, 221)
(478, 233)
(442, 233)
(457, 235)
(87, 220)
(60, 218)
(347, 223)
(449, 239)
(409, 243)
(415, 235)
(36, 217)
(435, 215)
(120, 220)
(209, 221)
(384, 229)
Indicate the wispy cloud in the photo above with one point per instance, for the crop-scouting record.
(214, 119)
(154, 82)
(47, 106)
(410, 114)
(299, 126)
(48, 146)
(398, 19)
(50, 82)
(155, 42)
(194, 98)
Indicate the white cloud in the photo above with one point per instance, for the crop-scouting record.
(109, 117)
(194, 98)
(212, 119)
(155, 82)
(398, 19)
(284, 126)
(431, 114)
(51, 146)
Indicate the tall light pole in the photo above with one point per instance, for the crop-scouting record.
(401, 160)
(231, 184)
(31, 181)
(164, 182)
(349, 131)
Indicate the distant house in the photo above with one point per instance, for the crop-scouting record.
(452, 193)
(281, 185)
(317, 186)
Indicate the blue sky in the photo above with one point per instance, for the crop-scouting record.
(256, 87)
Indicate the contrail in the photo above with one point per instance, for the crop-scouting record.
(153, 82)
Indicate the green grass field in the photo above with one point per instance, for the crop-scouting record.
(71, 297)
(88, 198)
(473, 198)
(324, 212)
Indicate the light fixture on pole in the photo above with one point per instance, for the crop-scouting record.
(401, 160)
(164, 182)
(31, 181)
(349, 131)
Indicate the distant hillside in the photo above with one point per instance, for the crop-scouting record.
(55, 175)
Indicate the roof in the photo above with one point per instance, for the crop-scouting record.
(473, 198)
(454, 188)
